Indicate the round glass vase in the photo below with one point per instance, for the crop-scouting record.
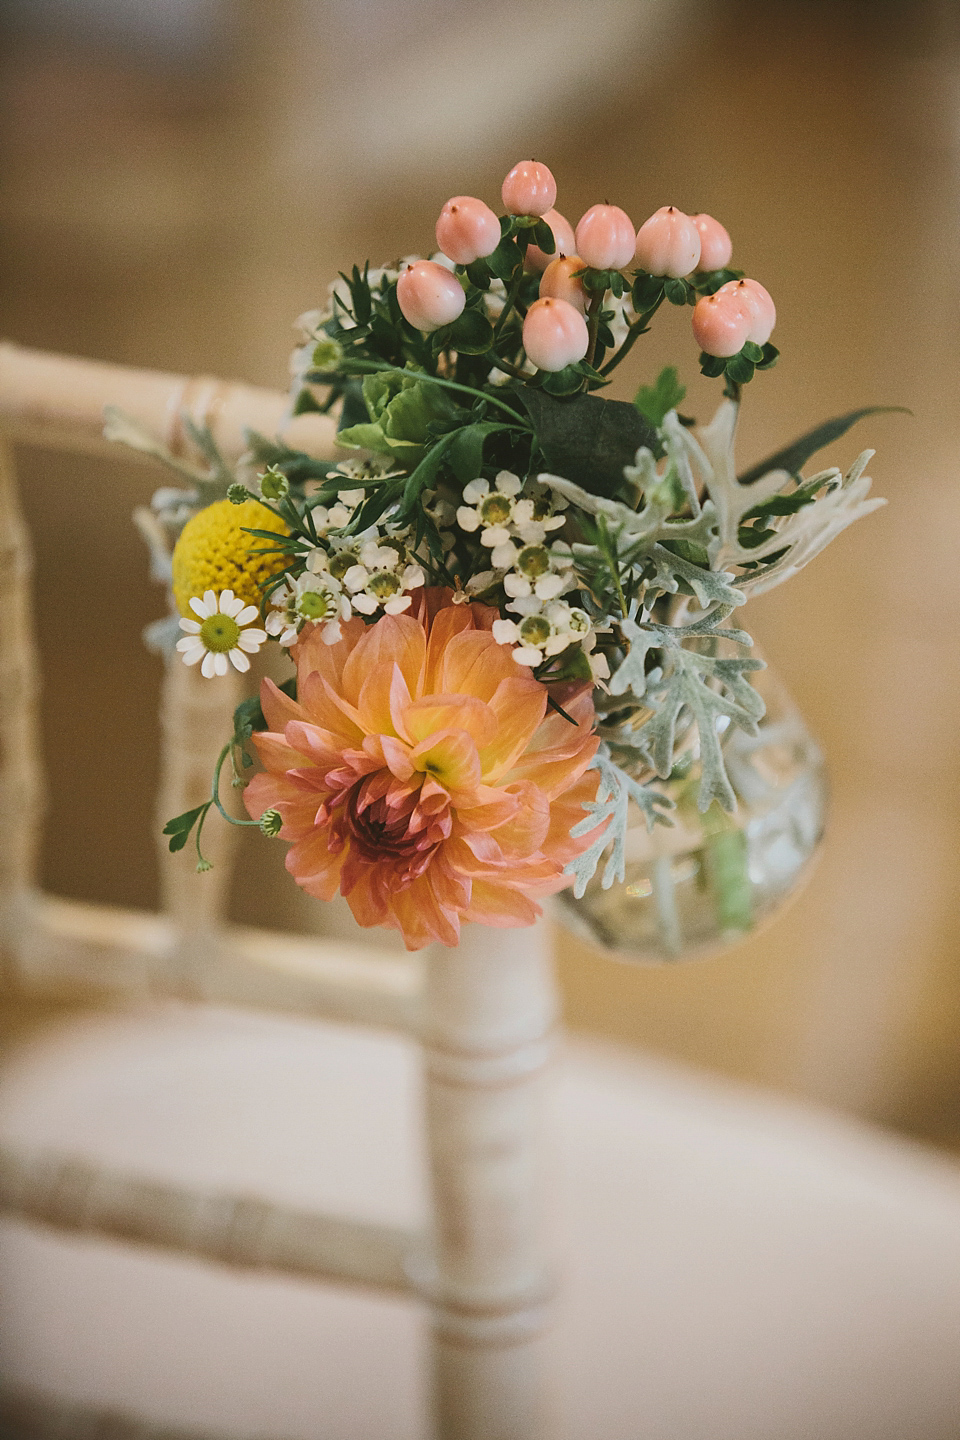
(708, 880)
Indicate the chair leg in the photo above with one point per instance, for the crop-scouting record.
(490, 1007)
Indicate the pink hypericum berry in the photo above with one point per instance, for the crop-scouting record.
(554, 334)
(429, 296)
(720, 325)
(756, 304)
(558, 282)
(467, 230)
(716, 247)
(605, 238)
(564, 242)
(668, 243)
(529, 189)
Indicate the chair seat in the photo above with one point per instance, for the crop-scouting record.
(738, 1267)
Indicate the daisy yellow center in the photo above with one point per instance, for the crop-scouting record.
(214, 553)
(219, 633)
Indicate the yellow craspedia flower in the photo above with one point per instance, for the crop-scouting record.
(213, 553)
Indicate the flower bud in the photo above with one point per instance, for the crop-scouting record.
(756, 304)
(274, 485)
(605, 238)
(429, 296)
(558, 282)
(720, 325)
(716, 247)
(668, 243)
(271, 823)
(564, 243)
(554, 334)
(529, 189)
(467, 230)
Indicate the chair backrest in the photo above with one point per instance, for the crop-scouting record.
(483, 1012)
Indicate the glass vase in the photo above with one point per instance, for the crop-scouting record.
(710, 879)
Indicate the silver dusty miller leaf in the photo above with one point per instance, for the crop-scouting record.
(611, 809)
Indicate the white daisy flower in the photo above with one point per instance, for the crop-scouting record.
(220, 634)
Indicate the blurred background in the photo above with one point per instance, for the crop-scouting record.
(181, 178)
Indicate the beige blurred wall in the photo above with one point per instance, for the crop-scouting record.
(181, 219)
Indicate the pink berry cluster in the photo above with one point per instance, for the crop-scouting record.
(560, 325)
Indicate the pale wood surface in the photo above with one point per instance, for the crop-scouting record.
(737, 1267)
(71, 1194)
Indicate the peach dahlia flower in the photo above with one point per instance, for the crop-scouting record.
(420, 774)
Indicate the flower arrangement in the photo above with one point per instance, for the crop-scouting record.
(508, 604)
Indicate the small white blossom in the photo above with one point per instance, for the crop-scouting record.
(221, 633)
(308, 600)
(543, 630)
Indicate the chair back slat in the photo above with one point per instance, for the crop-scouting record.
(21, 779)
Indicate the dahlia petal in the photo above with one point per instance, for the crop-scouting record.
(278, 755)
(227, 605)
(493, 904)
(192, 627)
(471, 665)
(383, 692)
(220, 664)
(396, 757)
(450, 712)
(450, 757)
(519, 704)
(238, 660)
(324, 705)
(246, 614)
(277, 706)
(394, 639)
(524, 833)
(208, 668)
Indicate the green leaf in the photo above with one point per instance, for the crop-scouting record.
(753, 352)
(563, 382)
(543, 236)
(505, 260)
(586, 439)
(653, 401)
(711, 365)
(471, 333)
(354, 409)
(180, 826)
(364, 437)
(647, 290)
(675, 291)
(305, 404)
(794, 457)
(739, 369)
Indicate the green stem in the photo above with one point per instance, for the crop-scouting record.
(637, 329)
(593, 322)
(509, 303)
(215, 797)
(368, 367)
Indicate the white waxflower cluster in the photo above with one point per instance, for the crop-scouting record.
(543, 629)
(514, 526)
(309, 600)
(380, 578)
